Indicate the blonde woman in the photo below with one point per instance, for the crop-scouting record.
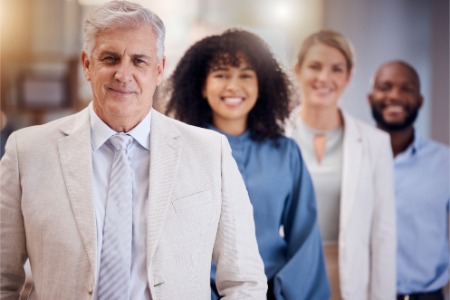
(351, 167)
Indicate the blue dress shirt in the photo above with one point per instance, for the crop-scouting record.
(281, 192)
(422, 197)
(102, 159)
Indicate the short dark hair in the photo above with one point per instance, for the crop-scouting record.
(412, 71)
(267, 117)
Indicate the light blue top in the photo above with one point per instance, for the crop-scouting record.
(281, 192)
(102, 159)
(422, 197)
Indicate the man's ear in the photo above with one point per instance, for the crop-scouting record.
(160, 69)
(86, 64)
(369, 99)
(420, 100)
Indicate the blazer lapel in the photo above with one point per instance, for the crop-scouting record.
(353, 153)
(76, 162)
(165, 153)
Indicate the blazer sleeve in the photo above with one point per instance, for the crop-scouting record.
(383, 236)
(304, 275)
(240, 269)
(12, 229)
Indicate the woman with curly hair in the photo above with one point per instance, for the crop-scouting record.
(232, 84)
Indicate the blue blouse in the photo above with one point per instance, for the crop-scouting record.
(281, 192)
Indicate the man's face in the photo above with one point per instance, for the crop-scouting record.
(124, 72)
(395, 99)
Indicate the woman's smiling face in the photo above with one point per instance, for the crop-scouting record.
(322, 76)
(231, 91)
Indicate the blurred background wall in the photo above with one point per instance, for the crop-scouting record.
(41, 40)
(416, 31)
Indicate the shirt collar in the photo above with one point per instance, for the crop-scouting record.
(141, 133)
(414, 146)
(411, 149)
(100, 132)
(416, 142)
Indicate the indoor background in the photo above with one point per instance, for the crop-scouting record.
(41, 41)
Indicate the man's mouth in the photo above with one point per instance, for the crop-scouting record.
(121, 91)
(394, 109)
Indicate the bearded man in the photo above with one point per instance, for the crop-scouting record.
(421, 184)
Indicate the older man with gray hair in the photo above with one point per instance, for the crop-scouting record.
(119, 201)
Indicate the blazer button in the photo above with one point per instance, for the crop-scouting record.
(90, 290)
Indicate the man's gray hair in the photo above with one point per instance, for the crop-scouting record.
(122, 15)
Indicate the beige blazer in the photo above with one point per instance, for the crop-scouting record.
(198, 209)
(367, 229)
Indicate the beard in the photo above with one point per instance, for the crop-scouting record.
(409, 120)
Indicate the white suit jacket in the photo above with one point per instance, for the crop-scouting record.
(367, 229)
(198, 209)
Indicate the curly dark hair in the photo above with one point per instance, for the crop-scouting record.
(267, 117)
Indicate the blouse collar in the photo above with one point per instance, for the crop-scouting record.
(234, 140)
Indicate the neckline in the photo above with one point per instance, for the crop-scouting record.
(315, 131)
(232, 138)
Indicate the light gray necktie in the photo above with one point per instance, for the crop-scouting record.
(115, 261)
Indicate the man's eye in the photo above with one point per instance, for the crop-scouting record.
(139, 61)
(409, 89)
(109, 59)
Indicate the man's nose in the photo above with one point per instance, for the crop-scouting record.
(124, 72)
(395, 94)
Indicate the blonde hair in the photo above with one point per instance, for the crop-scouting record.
(330, 38)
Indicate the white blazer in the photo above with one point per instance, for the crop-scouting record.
(367, 229)
(198, 209)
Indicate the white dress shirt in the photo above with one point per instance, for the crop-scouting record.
(102, 159)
